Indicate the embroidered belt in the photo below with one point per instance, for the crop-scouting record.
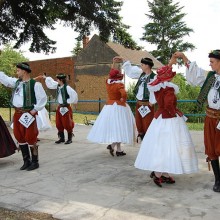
(21, 110)
(64, 105)
(139, 102)
(213, 113)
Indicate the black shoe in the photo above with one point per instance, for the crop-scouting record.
(152, 174)
(122, 153)
(59, 141)
(68, 142)
(168, 180)
(26, 165)
(216, 187)
(141, 136)
(33, 166)
(111, 151)
(61, 137)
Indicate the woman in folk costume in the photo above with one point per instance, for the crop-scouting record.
(209, 94)
(167, 146)
(65, 97)
(7, 144)
(115, 123)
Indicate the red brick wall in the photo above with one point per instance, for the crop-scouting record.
(54, 66)
(91, 87)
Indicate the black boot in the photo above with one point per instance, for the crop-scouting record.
(34, 163)
(216, 171)
(26, 156)
(61, 136)
(70, 136)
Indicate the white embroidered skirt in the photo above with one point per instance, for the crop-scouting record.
(167, 147)
(115, 123)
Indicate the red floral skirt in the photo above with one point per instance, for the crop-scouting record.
(7, 144)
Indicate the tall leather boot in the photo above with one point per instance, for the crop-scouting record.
(26, 156)
(70, 136)
(34, 163)
(61, 136)
(216, 171)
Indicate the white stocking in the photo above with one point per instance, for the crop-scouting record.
(118, 146)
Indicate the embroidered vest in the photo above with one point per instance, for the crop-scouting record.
(29, 98)
(146, 81)
(63, 92)
(202, 97)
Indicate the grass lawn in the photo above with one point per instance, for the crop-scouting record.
(77, 117)
(81, 118)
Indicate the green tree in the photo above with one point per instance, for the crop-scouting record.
(187, 92)
(8, 59)
(167, 29)
(77, 48)
(131, 96)
(24, 21)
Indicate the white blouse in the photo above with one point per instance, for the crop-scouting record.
(134, 72)
(17, 99)
(52, 84)
(196, 76)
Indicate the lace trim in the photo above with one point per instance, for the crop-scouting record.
(109, 81)
(163, 85)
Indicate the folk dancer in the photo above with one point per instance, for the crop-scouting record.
(65, 97)
(210, 94)
(167, 147)
(28, 98)
(115, 124)
(144, 113)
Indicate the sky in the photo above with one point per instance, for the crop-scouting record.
(201, 15)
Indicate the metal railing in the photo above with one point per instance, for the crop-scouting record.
(100, 102)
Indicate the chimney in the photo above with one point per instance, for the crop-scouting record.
(85, 41)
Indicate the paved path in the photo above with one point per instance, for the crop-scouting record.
(81, 181)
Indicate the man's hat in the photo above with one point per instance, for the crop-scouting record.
(147, 61)
(215, 54)
(61, 76)
(24, 66)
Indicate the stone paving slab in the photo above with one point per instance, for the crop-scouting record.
(81, 181)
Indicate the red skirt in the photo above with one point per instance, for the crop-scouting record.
(7, 144)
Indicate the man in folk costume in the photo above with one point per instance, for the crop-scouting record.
(144, 113)
(65, 97)
(210, 93)
(28, 98)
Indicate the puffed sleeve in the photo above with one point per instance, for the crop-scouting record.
(195, 75)
(73, 96)
(41, 96)
(133, 72)
(51, 83)
(7, 80)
